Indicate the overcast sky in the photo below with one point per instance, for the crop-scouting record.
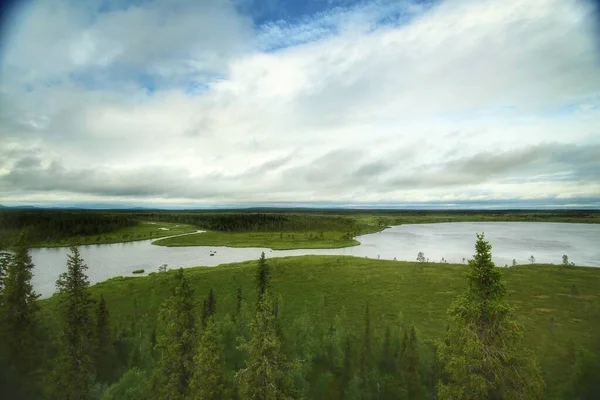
(237, 102)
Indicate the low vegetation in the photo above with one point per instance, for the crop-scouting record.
(273, 240)
(319, 326)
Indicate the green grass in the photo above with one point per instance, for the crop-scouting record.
(272, 240)
(142, 231)
(553, 318)
(431, 217)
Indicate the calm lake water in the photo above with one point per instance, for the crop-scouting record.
(547, 242)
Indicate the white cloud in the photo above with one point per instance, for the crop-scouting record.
(353, 114)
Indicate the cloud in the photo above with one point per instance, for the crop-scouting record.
(380, 101)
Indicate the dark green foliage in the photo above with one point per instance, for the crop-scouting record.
(208, 380)
(481, 355)
(104, 351)
(366, 358)
(74, 371)
(18, 317)
(585, 370)
(389, 365)
(574, 290)
(290, 220)
(209, 307)
(45, 225)
(4, 261)
(131, 386)
(410, 365)
(238, 301)
(267, 373)
(256, 222)
(176, 343)
(347, 373)
(138, 271)
(263, 277)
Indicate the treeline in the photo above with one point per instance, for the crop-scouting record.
(201, 351)
(256, 222)
(52, 225)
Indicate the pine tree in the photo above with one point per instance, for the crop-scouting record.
(238, 302)
(482, 356)
(176, 343)
(4, 262)
(18, 311)
(208, 381)
(75, 368)
(104, 351)
(263, 277)
(209, 308)
(366, 358)
(388, 366)
(347, 372)
(267, 373)
(410, 365)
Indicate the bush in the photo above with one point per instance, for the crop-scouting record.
(138, 271)
(131, 386)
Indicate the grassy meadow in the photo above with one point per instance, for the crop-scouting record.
(272, 240)
(558, 308)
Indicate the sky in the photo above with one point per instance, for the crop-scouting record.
(177, 103)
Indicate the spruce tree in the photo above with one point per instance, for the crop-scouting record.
(347, 372)
(104, 352)
(209, 307)
(75, 368)
(267, 373)
(389, 365)
(238, 302)
(410, 365)
(176, 343)
(208, 381)
(263, 277)
(18, 311)
(482, 356)
(366, 358)
(4, 261)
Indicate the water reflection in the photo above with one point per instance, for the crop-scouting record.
(547, 242)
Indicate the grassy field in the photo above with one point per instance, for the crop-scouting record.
(381, 217)
(559, 308)
(272, 240)
(142, 231)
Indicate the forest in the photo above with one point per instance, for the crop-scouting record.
(50, 227)
(250, 344)
(44, 225)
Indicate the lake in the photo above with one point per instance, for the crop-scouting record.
(547, 242)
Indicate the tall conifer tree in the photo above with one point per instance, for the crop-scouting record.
(410, 365)
(104, 351)
(18, 311)
(176, 343)
(208, 381)
(267, 374)
(263, 276)
(75, 368)
(482, 355)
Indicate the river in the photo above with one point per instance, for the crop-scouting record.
(547, 242)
